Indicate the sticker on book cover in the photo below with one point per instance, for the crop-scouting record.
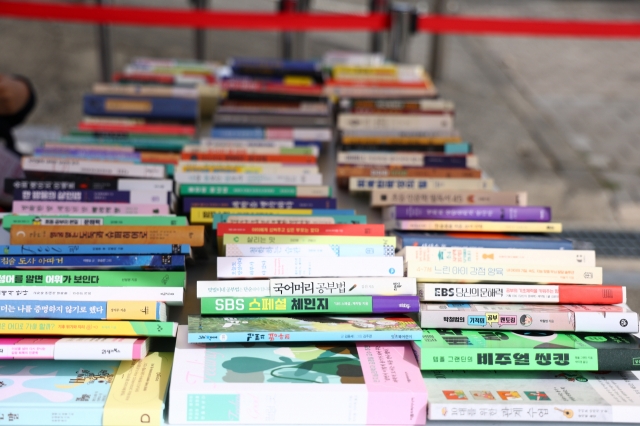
(482, 395)
(537, 396)
(455, 395)
(509, 396)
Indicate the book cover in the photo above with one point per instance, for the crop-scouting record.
(456, 225)
(81, 310)
(485, 213)
(543, 317)
(309, 305)
(75, 348)
(368, 184)
(94, 278)
(261, 383)
(34, 234)
(304, 328)
(384, 198)
(533, 396)
(304, 250)
(93, 196)
(11, 220)
(482, 240)
(61, 249)
(154, 262)
(527, 273)
(265, 267)
(449, 349)
(46, 327)
(90, 293)
(83, 208)
(258, 203)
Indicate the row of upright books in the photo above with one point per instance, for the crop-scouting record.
(460, 305)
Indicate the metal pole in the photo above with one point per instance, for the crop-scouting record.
(286, 37)
(104, 47)
(376, 37)
(200, 34)
(403, 18)
(299, 41)
(436, 51)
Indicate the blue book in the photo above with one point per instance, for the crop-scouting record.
(237, 132)
(488, 240)
(91, 196)
(257, 203)
(80, 310)
(338, 219)
(217, 329)
(169, 108)
(274, 64)
(150, 262)
(62, 249)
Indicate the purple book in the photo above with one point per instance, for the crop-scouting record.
(394, 304)
(488, 213)
(258, 203)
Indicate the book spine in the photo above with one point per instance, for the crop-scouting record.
(304, 336)
(231, 150)
(101, 168)
(87, 147)
(105, 348)
(497, 243)
(84, 208)
(33, 234)
(64, 184)
(214, 143)
(30, 348)
(172, 108)
(127, 157)
(238, 132)
(528, 317)
(213, 156)
(9, 221)
(347, 121)
(485, 213)
(270, 120)
(473, 226)
(266, 203)
(87, 328)
(34, 414)
(248, 178)
(165, 185)
(299, 133)
(543, 274)
(301, 239)
(383, 198)
(364, 184)
(525, 293)
(263, 267)
(41, 250)
(80, 310)
(470, 411)
(343, 286)
(371, 230)
(91, 293)
(301, 250)
(327, 219)
(309, 305)
(244, 288)
(245, 167)
(256, 191)
(79, 262)
(92, 196)
(457, 148)
(406, 172)
(461, 255)
(368, 158)
(72, 279)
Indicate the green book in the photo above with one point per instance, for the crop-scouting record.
(443, 349)
(10, 220)
(174, 144)
(255, 191)
(338, 219)
(93, 278)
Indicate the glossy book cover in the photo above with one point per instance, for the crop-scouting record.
(281, 383)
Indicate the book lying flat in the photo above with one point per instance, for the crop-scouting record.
(83, 310)
(45, 327)
(544, 396)
(218, 329)
(448, 349)
(75, 348)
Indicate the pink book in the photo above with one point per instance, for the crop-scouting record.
(71, 208)
(6, 345)
(75, 348)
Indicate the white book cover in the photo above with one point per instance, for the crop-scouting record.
(489, 256)
(252, 167)
(263, 267)
(89, 167)
(533, 396)
(246, 143)
(349, 121)
(305, 250)
(169, 295)
(97, 348)
(408, 159)
(87, 147)
(194, 149)
(145, 185)
(384, 198)
(249, 178)
(233, 288)
(368, 184)
(310, 134)
(344, 286)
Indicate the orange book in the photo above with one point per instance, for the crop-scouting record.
(36, 234)
(159, 157)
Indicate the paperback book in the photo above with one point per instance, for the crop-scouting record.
(154, 262)
(106, 249)
(75, 348)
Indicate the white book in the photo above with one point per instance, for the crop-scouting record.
(408, 159)
(246, 143)
(384, 198)
(306, 250)
(249, 178)
(368, 184)
(194, 149)
(87, 147)
(489, 256)
(169, 295)
(263, 267)
(349, 121)
(101, 348)
(282, 219)
(233, 288)
(145, 185)
(308, 134)
(263, 167)
(90, 167)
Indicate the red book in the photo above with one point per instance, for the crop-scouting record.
(154, 129)
(591, 294)
(250, 158)
(302, 229)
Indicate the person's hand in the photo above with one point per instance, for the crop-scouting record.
(14, 95)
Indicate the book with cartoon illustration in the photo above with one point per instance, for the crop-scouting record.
(303, 328)
(289, 383)
(450, 349)
(518, 396)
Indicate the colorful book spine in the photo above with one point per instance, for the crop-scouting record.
(263, 267)
(249, 158)
(88, 167)
(93, 196)
(542, 274)
(490, 316)
(419, 159)
(75, 348)
(88, 154)
(345, 172)
(205, 215)
(290, 219)
(256, 191)
(152, 262)
(480, 240)
(485, 213)
(473, 226)
(308, 250)
(350, 121)
(302, 239)
(278, 287)
(309, 305)
(247, 178)
(216, 329)
(523, 293)
(368, 184)
(169, 108)
(371, 230)
(46, 327)
(384, 198)
(34, 234)
(244, 167)
(93, 278)
(80, 310)
(488, 256)
(70, 182)
(259, 203)
(11, 220)
(91, 293)
(82, 208)
(84, 249)
(229, 148)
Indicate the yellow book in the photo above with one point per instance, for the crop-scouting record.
(301, 239)
(203, 215)
(473, 226)
(138, 392)
(87, 328)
